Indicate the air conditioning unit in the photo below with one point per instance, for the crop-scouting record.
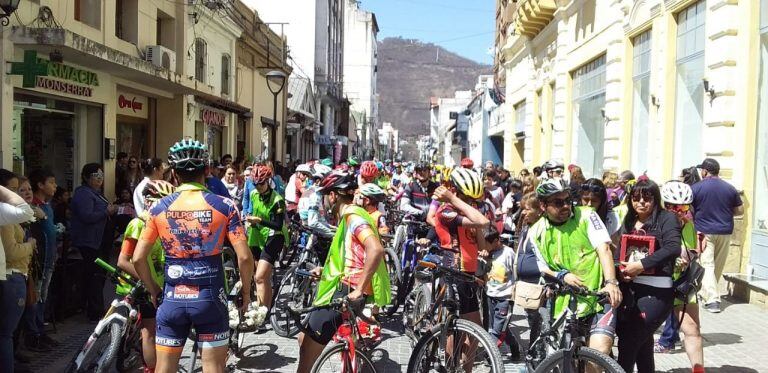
(161, 56)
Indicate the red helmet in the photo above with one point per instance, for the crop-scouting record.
(368, 170)
(338, 181)
(467, 163)
(261, 173)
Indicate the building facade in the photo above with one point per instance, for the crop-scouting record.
(653, 86)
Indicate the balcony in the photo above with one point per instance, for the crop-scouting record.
(533, 15)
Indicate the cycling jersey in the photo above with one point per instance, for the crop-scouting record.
(312, 212)
(270, 207)
(457, 238)
(156, 256)
(381, 221)
(416, 198)
(192, 225)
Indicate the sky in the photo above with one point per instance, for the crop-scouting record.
(465, 27)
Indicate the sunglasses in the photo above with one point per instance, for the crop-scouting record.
(98, 175)
(560, 202)
(647, 197)
(591, 188)
(678, 208)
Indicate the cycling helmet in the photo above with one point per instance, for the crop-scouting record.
(551, 187)
(304, 168)
(468, 182)
(467, 163)
(260, 174)
(157, 189)
(368, 170)
(342, 167)
(423, 166)
(553, 164)
(189, 155)
(353, 161)
(338, 181)
(677, 193)
(327, 162)
(319, 171)
(373, 192)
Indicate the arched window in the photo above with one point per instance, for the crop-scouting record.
(201, 55)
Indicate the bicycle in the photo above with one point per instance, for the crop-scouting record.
(355, 338)
(116, 339)
(234, 299)
(406, 256)
(562, 348)
(445, 346)
(299, 236)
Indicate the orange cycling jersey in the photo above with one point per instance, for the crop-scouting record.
(192, 225)
(457, 238)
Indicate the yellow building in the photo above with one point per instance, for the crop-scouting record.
(88, 79)
(650, 85)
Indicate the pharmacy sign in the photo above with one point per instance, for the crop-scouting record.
(40, 73)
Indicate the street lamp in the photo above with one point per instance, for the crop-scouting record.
(8, 7)
(275, 83)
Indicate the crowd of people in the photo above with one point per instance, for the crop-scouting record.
(629, 237)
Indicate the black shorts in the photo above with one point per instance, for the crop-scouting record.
(147, 310)
(468, 302)
(323, 323)
(271, 250)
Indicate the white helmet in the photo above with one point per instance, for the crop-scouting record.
(304, 168)
(553, 164)
(677, 193)
(320, 170)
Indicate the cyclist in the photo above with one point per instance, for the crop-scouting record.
(418, 193)
(267, 234)
(573, 245)
(460, 227)
(368, 172)
(354, 164)
(467, 163)
(297, 183)
(354, 267)
(192, 224)
(370, 195)
(151, 193)
(554, 169)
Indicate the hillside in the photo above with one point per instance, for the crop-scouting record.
(410, 72)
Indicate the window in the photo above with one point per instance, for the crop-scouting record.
(225, 68)
(641, 82)
(200, 58)
(127, 20)
(520, 117)
(588, 121)
(88, 12)
(689, 100)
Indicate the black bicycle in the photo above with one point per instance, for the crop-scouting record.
(562, 348)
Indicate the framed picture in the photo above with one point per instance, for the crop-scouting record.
(635, 248)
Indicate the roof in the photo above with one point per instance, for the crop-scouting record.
(301, 97)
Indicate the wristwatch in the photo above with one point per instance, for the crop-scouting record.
(614, 282)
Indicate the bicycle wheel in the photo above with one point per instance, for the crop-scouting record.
(193, 358)
(101, 356)
(419, 305)
(400, 234)
(583, 358)
(392, 261)
(129, 356)
(335, 358)
(478, 350)
(294, 292)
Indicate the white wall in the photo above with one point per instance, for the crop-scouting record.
(220, 34)
(359, 59)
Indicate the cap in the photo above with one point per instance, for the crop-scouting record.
(711, 165)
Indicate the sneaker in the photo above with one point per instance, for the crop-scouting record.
(34, 344)
(46, 340)
(661, 349)
(713, 307)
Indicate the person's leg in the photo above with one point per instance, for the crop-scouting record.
(627, 333)
(654, 304)
(722, 247)
(263, 278)
(92, 284)
(645, 363)
(709, 292)
(670, 334)
(321, 325)
(691, 327)
(148, 342)
(12, 297)
(309, 351)
(167, 359)
(214, 359)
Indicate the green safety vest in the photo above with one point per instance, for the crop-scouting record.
(567, 247)
(689, 240)
(156, 257)
(258, 235)
(333, 271)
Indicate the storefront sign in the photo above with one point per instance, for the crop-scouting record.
(213, 117)
(132, 105)
(323, 140)
(40, 73)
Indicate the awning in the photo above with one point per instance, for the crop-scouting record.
(301, 98)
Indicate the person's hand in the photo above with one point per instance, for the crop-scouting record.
(614, 294)
(573, 280)
(631, 270)
(39, 213)
(111, 209)
(316, 272)
(483, 253)
(356, 294)
(423, 242)
(253, 219)
(32, 241)
(246, 302)
(443, 194)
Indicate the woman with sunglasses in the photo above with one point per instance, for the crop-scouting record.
(678, 197)
(647, 283)
(593, 194)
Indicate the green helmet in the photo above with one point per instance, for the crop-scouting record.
(551, 187)
(353, 161)
(326, 162)
(187, 154)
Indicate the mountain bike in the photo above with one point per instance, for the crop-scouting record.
(299, 235)
(354, 339)
(409, 254)
(116, 341)
(562, 348)
(449, 343)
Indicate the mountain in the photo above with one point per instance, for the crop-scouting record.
(410, 72)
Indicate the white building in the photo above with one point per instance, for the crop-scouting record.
(360, 72)
(445, 112)
(315, 33)
(389, 141)
(485, 137)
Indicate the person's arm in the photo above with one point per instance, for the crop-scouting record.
(374, 253)
(83, 207)
(126, 254)
(139, 259)
(13, 209)
(432, 212)
(276, 217)
(245, 262)
(473, 217)
(669, 245)
(405, 203)
(601, 241)
(13, 247)
(738, 208)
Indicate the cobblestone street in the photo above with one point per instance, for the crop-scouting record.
(734, 342)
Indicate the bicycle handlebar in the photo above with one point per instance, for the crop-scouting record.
(451, 271)
(118, 273)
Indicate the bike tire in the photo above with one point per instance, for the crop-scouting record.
(106, 358)
(422, 300)
(282, 324)
(401, 231)
(365, 364)
(465, 326)
(552, 363)
(193, 358)
(129, 356)
(392, 261)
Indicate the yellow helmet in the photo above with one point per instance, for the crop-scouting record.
(468, 182)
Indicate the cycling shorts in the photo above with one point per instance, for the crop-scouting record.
(603, 322)
(187, 305)
(271, 251)
(468, 302)
(323, 323)
(147, 309)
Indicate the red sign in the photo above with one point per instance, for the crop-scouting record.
(132, 104)
(213, 118)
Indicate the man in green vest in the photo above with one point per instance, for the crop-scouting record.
(267, 234)
(572, 245)
(354, 267)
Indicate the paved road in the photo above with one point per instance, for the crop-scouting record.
(735, 341)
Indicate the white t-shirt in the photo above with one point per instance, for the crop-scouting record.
(290, 190)
(501, 276)
(138, 197)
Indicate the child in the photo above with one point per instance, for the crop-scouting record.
(499, 288)
(370, 195)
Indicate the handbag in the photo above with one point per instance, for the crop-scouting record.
(690, 280)
(528, 295)
(635, 247)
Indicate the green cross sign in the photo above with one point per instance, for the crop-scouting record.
(30, 69)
